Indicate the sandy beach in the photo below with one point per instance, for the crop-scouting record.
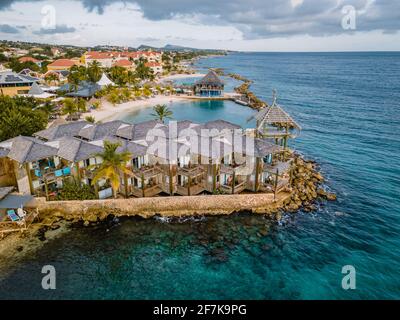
(181, 76)
(109, 112)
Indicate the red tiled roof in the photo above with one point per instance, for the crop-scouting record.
(153, 64)
(150, 53)
(127, 54)
(123, 63)
(62, 63)
(26, 59)
(95, 55)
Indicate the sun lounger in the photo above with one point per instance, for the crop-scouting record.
(14, 217)
(21, 213)
(19, 222)
(58, 173)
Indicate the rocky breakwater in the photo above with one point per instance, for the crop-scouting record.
(307, 187)
(92, 211)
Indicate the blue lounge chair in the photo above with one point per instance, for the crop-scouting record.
(67, 171)
(13, 216)
(38, 173)
(58, 173)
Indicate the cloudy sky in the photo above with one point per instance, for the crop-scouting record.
(251, 25)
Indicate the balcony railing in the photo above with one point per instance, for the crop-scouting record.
(194, 189)
(239, 187)
(147, 192)
(51, 174)
(146, 171)
(192, 171)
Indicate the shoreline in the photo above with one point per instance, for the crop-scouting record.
(57, 217)
(180, 76)
(109, 112)
(14, 247)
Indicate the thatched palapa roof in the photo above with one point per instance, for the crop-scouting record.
(275, 115)
(211, 78)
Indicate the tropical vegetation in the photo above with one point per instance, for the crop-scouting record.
(113, 166)
(21, 116)
(73, 190)
(161, 112)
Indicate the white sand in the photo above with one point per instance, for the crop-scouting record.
(182, 76)
(109, 112)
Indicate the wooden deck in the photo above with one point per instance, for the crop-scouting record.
(237, 189)
(194, 190)
(148, 191)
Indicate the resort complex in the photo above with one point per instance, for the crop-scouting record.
(178, 158)
(70, 158)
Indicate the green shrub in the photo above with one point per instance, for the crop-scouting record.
(20, 116)
(73, 191)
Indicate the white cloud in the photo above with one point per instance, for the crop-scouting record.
(293, 25)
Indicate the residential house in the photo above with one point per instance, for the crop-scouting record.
(61, 64)
(125, 63)
(61, 75)
(30, 59)
(12, 84)
(56, 52)
(156, 67)
(105, 59)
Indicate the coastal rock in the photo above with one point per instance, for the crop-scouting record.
(309, 166)
(326, 195)
(318, 176)
(331, 197)
(55, 227)
(322, 193)
(91, 217)
(41, 234)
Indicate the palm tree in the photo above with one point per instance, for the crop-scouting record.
(160, 89)
(126, 93)
(162, 112)
(90, 119)
(69, 107)
(131, 77)
(96, 105)
(142, 71)
(137, 93)
(51, 78)
(94, 71)
(47, 107)
(113, 167)
(81, 105)
(147, 92)
(113, 97)
(74, 79)
(118, 75)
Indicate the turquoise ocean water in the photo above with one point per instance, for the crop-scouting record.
(348, 105)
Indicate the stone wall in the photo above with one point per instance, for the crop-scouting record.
(164, 206)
